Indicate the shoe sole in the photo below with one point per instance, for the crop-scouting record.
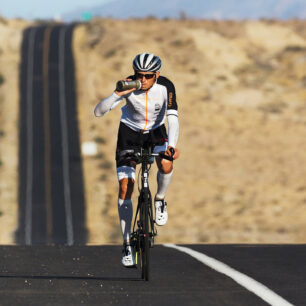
(131, 267)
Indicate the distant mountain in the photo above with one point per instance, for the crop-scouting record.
(208, 9)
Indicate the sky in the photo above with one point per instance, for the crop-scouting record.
(36, 9)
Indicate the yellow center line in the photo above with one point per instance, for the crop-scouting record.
(46, 110)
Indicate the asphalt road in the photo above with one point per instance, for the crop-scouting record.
(51, 188)
(93, 275)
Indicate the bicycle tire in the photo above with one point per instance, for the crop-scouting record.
(145, 241)
(147, 245)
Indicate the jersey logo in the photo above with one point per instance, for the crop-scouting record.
(157, 108)
(170, 99)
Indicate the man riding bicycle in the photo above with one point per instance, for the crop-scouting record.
(142, 121)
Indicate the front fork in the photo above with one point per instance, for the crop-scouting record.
(146, 198)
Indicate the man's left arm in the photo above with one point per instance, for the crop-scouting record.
(173, 128)
(172, 117)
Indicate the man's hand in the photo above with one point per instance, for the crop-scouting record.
(126, 92)
(170, 151)
(173, 152)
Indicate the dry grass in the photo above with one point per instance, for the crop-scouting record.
(242, 102)
(241, 90)
(10, 36)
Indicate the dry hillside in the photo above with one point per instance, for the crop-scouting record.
(241, 90)
(10, 43)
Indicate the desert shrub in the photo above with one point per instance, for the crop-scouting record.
(103, 177)
(106, 165)
(110, 53)
(94, 34)
(100, 155)
(1, 79)
(39, 21)
(221, 77)
(100, 140)
(273, 107)
(150, 18)
(295, 49)
(181, 43)
(117, 66)
(3, 20)
(159, 39)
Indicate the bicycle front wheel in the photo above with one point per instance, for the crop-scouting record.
(145, 247)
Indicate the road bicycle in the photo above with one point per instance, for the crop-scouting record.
(144, 230)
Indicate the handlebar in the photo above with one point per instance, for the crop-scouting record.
(139, 154)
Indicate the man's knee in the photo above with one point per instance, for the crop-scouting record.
(164, 166)
(126, 186)
(167, 168)
(126, 178)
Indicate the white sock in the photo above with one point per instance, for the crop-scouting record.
(163, 181)
(125, 210)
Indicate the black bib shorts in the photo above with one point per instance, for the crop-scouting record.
(129, 139)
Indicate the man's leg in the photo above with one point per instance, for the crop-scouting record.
(164, 174)
(126, 177)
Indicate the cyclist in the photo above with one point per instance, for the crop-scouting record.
(142, 121)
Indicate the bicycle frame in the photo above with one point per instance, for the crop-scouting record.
(143, 235)
(147, 195)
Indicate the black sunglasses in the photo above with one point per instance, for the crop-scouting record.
(147, 76)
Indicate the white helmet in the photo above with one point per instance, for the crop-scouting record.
(147, 62)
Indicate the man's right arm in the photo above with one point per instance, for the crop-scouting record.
(112, 101)
(107, 104)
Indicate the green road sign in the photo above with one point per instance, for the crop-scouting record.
(86, 16)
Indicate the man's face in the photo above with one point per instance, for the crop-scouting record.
(147, 79)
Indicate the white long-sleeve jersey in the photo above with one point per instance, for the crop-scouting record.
(146, 110)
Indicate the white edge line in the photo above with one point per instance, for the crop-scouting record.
(29, 168)
(65, 151)
(245, 281)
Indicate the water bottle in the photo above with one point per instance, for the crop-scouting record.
(125, 85)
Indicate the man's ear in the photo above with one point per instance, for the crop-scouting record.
(157, 74)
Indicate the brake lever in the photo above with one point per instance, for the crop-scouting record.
(164, 156)
(172, 152)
